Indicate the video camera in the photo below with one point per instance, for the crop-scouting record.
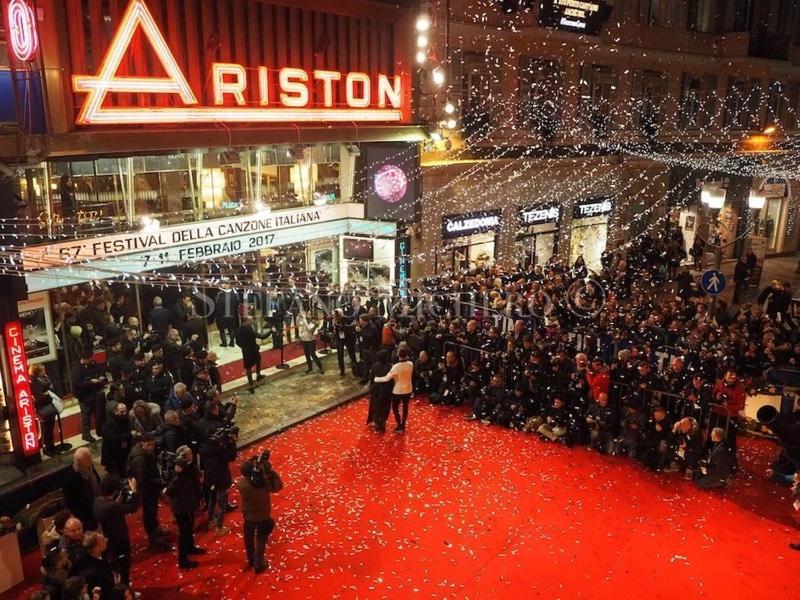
(260, 468)
(166, 464)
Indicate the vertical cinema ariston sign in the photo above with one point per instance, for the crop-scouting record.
(20, 381)
(285, 95)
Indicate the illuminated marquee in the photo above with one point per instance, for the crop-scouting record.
(23, 398)
(368, 98)
(22, 33)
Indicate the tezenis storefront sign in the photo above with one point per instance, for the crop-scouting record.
(285, 95)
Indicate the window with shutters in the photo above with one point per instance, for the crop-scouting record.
(698, 106)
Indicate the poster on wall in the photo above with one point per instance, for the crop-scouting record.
(323, 260)
(391, 176)
(689, 223)
(37, 328)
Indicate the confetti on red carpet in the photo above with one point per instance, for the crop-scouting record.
(458, 509)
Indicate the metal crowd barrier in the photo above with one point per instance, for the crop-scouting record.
(467, 354)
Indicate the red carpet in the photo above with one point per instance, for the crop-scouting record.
(455, 509)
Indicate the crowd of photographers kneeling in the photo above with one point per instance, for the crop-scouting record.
(567, 401)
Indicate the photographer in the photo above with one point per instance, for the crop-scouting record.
(603, 422)
(185, 490)
(143, 465)
(110, 508)
(258, 481)
(717, 467)
(217, 451)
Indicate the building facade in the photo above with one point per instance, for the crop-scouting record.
(626, 105)
(271, 143)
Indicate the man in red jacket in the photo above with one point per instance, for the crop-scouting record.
(729, 394)
(598, 379)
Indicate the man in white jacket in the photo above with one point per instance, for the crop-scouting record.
(402, 373)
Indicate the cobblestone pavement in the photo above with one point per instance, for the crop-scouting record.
(291, 397)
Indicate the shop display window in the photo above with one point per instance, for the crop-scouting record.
(114, 194)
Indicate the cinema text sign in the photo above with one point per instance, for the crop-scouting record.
(23, 398)
(285, 95)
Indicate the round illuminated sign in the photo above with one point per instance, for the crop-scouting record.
(391, 183)
(22, 34)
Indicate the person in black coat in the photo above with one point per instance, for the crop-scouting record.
(110, 509)
(226, 313)
(81, 487)
(217, 452)
(117, 441)
(41, 387)
(247, 339)
(344, 338)
(717, 468)
(369, 339)
(185, 491)
(95, 570)
(740, 275)
(160, 319)
(143, 466)
(172, 435)
(776, 300)
(159, 383)
(87, 383)
(380, 394)
(195, 333)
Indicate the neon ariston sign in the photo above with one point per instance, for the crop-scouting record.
(285, 95)
(22, 35)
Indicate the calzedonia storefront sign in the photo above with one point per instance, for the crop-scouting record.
(592, 207)
(257, 229)
(285, 95)
(580, 16)
(454, 226)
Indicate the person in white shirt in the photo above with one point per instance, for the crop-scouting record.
(308, 336)
(401, 373)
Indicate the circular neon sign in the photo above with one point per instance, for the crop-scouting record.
(22, 35)
(391, 183)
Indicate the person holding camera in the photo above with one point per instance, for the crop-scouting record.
(143, 465)
(116, 500)
(257, 482)
(217, 452)
(185, 490)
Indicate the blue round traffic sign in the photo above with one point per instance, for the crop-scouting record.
(713, 282)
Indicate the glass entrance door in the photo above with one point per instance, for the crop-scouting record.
(535, 249)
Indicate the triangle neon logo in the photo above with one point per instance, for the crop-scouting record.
(97, 87)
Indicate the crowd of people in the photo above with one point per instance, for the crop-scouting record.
(633, 360)
(655, 372)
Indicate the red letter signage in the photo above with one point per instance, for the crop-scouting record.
(22, 35)
(23, 399)
(368, 97)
